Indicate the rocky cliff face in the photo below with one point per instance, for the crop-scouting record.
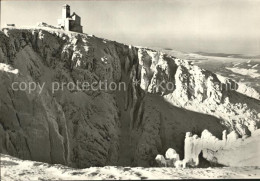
(164, 98)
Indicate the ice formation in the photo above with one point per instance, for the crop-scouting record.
(229, 151)
(172, 159)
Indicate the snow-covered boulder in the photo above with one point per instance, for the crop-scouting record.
(171, 157)
(180, 164)
(172, 154)
(161, 160)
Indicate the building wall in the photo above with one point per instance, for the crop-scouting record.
(61, 22)
(74, 26)
(77, 19)
(67, 25)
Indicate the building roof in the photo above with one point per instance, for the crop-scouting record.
(74, 14)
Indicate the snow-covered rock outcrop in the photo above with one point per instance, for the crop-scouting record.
(164, 98)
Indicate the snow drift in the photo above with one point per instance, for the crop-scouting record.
(14, 169)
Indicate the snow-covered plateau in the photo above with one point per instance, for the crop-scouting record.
(116, 133)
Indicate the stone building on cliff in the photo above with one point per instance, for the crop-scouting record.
(70, 22)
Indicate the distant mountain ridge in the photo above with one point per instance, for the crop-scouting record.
(229, 55)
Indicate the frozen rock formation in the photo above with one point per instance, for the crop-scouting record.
(161, 160)
(230, 151)
(164, 98)
(192, 149)
(180, 164)
(171, 154)
(171, 159)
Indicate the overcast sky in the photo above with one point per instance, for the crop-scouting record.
(228, 26)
